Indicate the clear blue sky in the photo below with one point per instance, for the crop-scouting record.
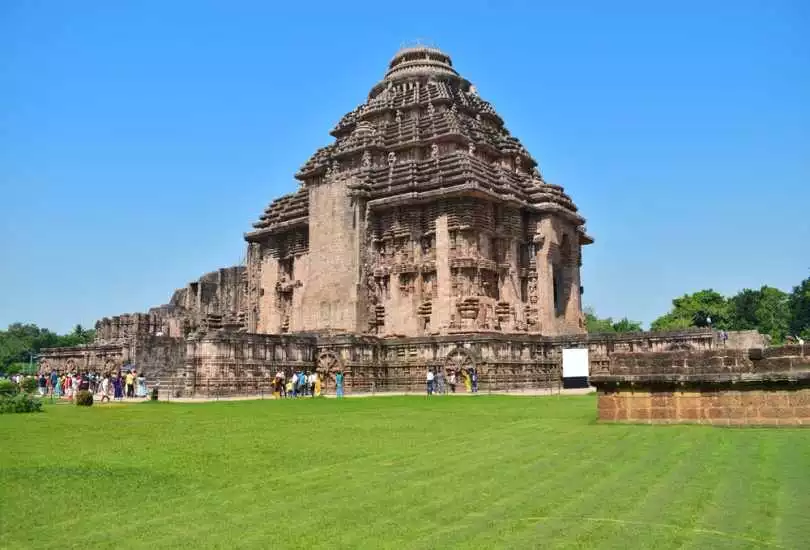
(139, 140)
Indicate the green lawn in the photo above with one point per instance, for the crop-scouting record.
(484, 471)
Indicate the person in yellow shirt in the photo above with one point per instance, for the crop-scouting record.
(130, 384)
(317, 385)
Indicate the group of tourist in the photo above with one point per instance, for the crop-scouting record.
(303, 384)
(436, 382)
(108, 387)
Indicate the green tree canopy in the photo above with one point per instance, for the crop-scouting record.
(695, 310)
(799, 305)
(766, 310)
(20, 341)
(595, 324)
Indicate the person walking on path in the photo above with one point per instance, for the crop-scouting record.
(130, 384)
(441, 387)
(117, 387)
(54, 380)
(105, 388)
(452, 381)
(57, 391)
(141, 388)
(339, 384)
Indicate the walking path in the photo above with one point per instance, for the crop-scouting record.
(516, 393)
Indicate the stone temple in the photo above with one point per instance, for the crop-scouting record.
(424, 216)
(423, 236)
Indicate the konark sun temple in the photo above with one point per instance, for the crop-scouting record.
(422, 236)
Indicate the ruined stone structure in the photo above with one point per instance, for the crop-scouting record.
(424, 216)
(422, 237)
(155, 341)
(723, 386)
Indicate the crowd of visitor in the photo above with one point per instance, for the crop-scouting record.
(107, 387)
(437, 383)
(303, 384)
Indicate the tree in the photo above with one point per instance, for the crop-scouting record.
(766, 310)
(626, 325)
(695, 310)
(595, 325)
(19, 342)
(799, 305)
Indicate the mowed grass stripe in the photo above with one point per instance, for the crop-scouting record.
(439, 501)
(392, 472)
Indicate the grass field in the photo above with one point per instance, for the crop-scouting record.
(485, 471)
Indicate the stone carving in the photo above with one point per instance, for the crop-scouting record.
(328, 362)
(434, 152)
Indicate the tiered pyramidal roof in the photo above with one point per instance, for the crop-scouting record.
(423, 133)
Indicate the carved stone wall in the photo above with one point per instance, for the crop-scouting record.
(156, 356)
(226, 362)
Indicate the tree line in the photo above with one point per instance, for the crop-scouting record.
(769, 310)
(21, 343)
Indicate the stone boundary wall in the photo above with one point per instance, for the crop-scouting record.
(722, 406)
(768, 386)
(232, 363)
(226, 362)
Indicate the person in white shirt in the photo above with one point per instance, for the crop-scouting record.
(430, 382)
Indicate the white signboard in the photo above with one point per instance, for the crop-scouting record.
(575, 362)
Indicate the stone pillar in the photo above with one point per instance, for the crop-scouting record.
(269, 315)
(510, 285)
(573, 310)
(442, 308)
(545, 277)
(361, 298)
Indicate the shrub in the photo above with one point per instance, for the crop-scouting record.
(84, 398)
(7, 387)
(20, 403)
(29, 384)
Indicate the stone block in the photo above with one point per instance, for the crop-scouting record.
(802, 412)
(736, 412)
(799, 398)
(662, 413)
